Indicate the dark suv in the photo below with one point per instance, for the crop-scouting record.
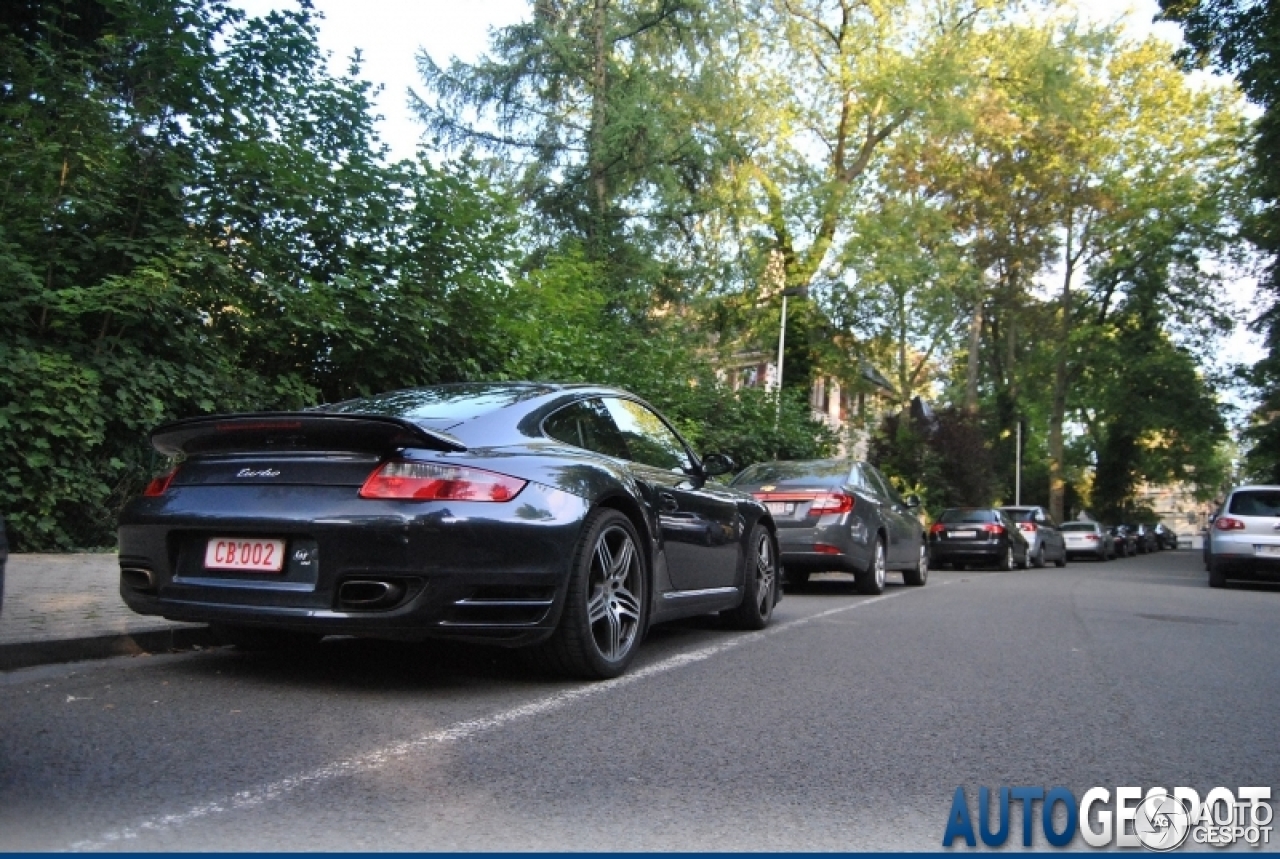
(4, 558)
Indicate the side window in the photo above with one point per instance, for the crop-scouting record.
(887, 491)
(649, 440)
(586, 424)
(871, 480)
(857, 479)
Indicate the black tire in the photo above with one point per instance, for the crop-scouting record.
(918, 576)
(607, 604)
(1006, 560)
(797, 578)
(759, 583)
(261, 639)
(871, 580)
(1062, 560)
(1217, 575)
(1038, 560)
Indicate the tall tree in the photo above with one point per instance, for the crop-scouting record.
(599, 105)
(1058, 176)
(1240, 38)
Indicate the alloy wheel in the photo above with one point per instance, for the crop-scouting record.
(764, 572)
(613, 609)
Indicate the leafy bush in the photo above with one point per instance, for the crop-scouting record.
(944, 460)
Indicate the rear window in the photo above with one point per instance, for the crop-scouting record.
(1020, 514)
(804, 473)
(448, 404)
(955, 515)
(1256, 502)
(1079, 526)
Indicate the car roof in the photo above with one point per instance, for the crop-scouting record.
(484, 413)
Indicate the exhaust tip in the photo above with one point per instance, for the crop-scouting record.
(138, 578)
(366, 594)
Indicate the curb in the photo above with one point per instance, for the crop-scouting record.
(27, 654)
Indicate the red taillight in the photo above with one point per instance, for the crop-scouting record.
(1093, 537)
(159, 485)
(1027, 526)
(993, 529)
(826, 549)
(937, 528)
(1226, 523)
(429, 481)
(832, 502)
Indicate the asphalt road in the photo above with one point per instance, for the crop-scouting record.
(847, 725)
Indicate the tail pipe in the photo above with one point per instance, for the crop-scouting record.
(367, 594)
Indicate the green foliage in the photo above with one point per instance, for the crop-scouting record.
(944, 460)
(562, 329)
(1239, 38)
(196, 217)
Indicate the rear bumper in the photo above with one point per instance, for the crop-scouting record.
(796, 550)
(462, 570)
(944, 552)
(1242, 565)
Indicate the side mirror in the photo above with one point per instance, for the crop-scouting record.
(913, 502)
(715, 464)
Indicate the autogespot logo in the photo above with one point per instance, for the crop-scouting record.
(1158, 820)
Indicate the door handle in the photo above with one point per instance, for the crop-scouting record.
(667, 502)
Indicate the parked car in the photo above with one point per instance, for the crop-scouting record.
(836, 514)
(4, 559)
(1042, 533)
(1166, 538)
(1088, 540)
(977, 536)
(1145, 538)
(1244, 540)
(565, 518)
(1125, 541)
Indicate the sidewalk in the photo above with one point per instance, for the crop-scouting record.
(63, 608)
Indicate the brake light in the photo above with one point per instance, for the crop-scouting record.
(992, 528)
(937, 528)
(1027, 526)
(159, 485)
(831, 502)
(1093, 537)
(429, 481)
(1226, 523)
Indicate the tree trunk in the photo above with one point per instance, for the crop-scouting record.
(595, 136)
(971, 371)
(1058, 406)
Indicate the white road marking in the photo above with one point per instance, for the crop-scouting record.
(465, 730)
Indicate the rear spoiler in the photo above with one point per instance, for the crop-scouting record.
(296, 431)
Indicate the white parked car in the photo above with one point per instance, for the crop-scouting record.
(1244, 539)
(1088, 540)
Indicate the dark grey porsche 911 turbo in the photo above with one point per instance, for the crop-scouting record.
(564, 518)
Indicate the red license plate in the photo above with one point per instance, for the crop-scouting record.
(254, 556)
